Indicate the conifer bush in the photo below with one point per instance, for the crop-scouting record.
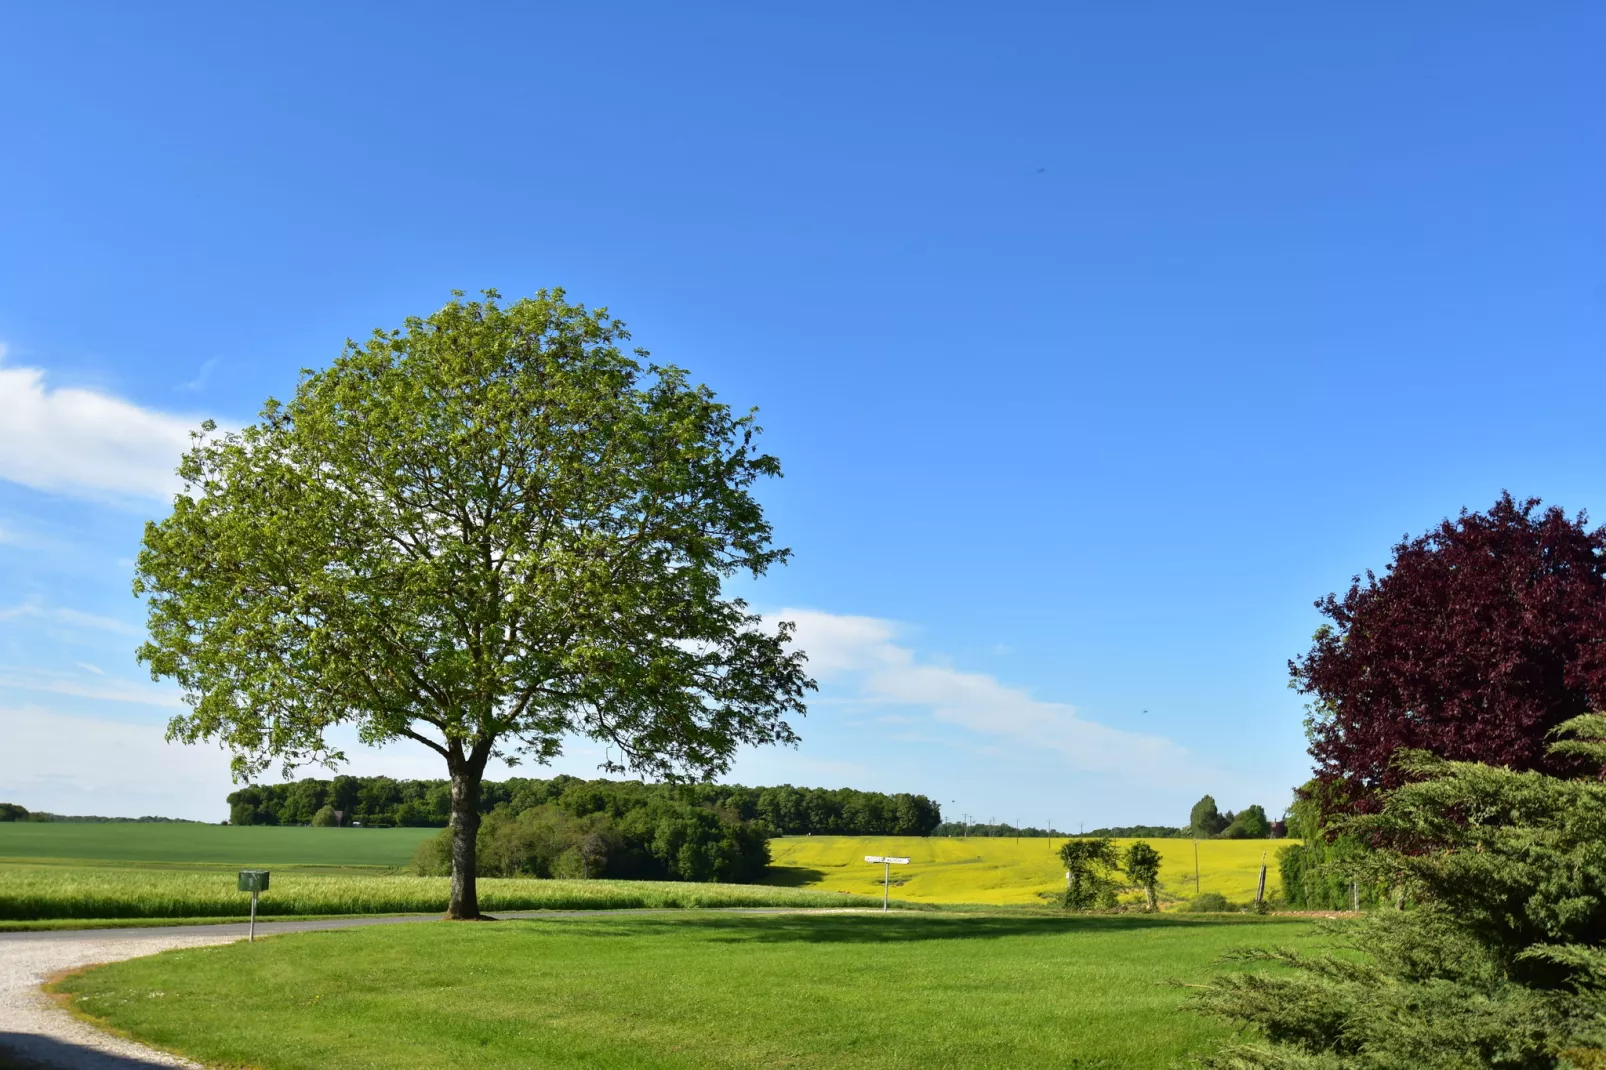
(1497, 961)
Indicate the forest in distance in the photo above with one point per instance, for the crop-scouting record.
(378, 802)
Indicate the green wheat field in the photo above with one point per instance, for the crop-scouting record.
(59, 872)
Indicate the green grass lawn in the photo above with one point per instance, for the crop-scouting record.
(227, 845)
(830, 991)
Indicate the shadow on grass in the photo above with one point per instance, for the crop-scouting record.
(27, 1051)
(893, 927)
(792, 876)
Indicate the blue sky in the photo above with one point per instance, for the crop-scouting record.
(1096, 341)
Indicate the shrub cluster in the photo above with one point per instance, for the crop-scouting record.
(381, 802)
(1499, 960)
(662, 840)
(1208, 823)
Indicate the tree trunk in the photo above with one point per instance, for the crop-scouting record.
(465, 903)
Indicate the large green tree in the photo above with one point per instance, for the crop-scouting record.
(483, 532)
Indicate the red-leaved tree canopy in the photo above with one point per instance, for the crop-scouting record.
(1481, 636)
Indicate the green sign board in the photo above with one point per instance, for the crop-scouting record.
(253, 880)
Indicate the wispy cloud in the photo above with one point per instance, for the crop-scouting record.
(71, 764)
(862, 656)
(198, 383)
(93, 620)
(85, 443)
(70, 616)
(101, 688)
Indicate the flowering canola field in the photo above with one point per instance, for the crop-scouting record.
(1006, 871)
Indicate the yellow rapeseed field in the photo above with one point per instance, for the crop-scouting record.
(1006, 871)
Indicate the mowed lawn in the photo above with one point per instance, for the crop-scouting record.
(1003, 870)
(229, 845)
(726, 990)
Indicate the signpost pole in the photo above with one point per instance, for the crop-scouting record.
(887, 862)
(254, 881)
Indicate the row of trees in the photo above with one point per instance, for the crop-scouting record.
(16, 812)
(783, 810)
(998, 829)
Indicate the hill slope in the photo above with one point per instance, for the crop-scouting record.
(1005, 871)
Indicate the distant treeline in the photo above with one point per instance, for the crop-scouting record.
(783, 810)
(13, 812)
(969, 828)
(1141, 832)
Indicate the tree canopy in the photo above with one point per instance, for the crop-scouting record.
(1204, 820)
(1481, 636)
(482, 532)
(1090, 866)
(784, 809)
(1142, 865)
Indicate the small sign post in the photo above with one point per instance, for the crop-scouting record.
(254, 881)
(887, 862)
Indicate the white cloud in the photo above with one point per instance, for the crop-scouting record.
(96, 669)
(85, 443)
(860, 656)
(199, 382)
(93, 620)
(101, 688)
(85, 765)
(71, 616)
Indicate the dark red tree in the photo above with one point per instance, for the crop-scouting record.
(1481, 636)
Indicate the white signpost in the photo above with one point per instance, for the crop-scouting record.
(887, 862)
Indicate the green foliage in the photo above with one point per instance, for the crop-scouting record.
(13, 812)
(484, 532)
(1501, 962)
(1147, 832)
(1250, 824)
(325, 817)
(1329, 865)
(1209, 903)
(1142, 865)
(1204, 820)
(664, 840)
(1091, 863)
(380, 801)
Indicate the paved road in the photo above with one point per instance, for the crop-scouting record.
(36, 1031)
